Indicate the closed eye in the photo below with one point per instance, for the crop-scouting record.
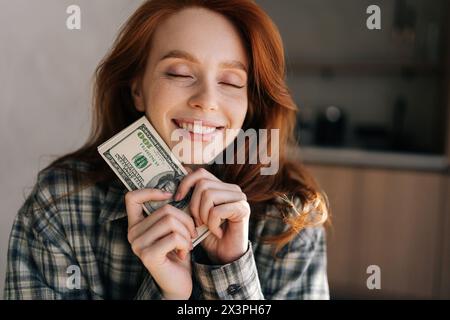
(232, 85)
(175, 75)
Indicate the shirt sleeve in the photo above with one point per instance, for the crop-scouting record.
(234, 281)
(40, 264)
(297, 272)
(149, 290)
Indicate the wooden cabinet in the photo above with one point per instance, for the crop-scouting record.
(444, 289)
(389, 218)
(339, 184)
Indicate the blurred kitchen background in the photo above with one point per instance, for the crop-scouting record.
(373, 127)
(374, 130)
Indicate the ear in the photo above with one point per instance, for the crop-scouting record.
(137, 94)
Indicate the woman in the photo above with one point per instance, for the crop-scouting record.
(80, 235)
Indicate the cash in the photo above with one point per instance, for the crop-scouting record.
(141, 159)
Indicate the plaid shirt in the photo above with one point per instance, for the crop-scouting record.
(84, 235)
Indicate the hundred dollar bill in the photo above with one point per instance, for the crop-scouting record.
(141, 159)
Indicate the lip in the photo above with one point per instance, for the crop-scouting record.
(205, 137)
(204, 122)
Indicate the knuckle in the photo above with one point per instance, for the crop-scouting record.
(179, 239)
(147, 256)
(130, 236)
(170, 221)
(213, 212)
(144, 253)
(129, 196)
(175, 237)
(245, 207)
(208, 193)
(203, 184)
(192, 207)
(238, 188)
(136, 248)
(191, 223)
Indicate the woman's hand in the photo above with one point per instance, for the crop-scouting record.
(212, 202)
(155, 238)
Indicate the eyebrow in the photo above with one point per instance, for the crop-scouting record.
(180, 54)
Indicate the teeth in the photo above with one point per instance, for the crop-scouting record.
(196, 128)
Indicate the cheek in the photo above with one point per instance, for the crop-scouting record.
(163, 98)
(237, 110)
(160, 102)
(160, 96)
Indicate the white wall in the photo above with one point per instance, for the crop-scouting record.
(45, 77)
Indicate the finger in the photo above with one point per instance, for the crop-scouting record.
(202, 186)
(135, 199)
(169, 243)
(157, 253)
(213, 197)
(190, 180)
(215, 221)
(160, 229)
(182, 254)
(158, 214)
(233, 212)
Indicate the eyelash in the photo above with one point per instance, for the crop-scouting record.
(177, 75)
(173, 75)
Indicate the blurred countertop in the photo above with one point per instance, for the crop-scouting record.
(379, 159)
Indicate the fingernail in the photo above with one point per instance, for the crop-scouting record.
(177, 197)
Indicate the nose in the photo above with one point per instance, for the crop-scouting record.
(204, 98)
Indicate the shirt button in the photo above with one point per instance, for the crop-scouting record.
(233, 289)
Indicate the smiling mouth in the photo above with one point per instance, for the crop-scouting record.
(197, 127)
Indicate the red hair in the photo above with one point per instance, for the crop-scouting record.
(270, 107)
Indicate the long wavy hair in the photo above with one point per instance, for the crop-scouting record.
(270, 107)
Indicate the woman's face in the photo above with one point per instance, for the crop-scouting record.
(195, 81)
